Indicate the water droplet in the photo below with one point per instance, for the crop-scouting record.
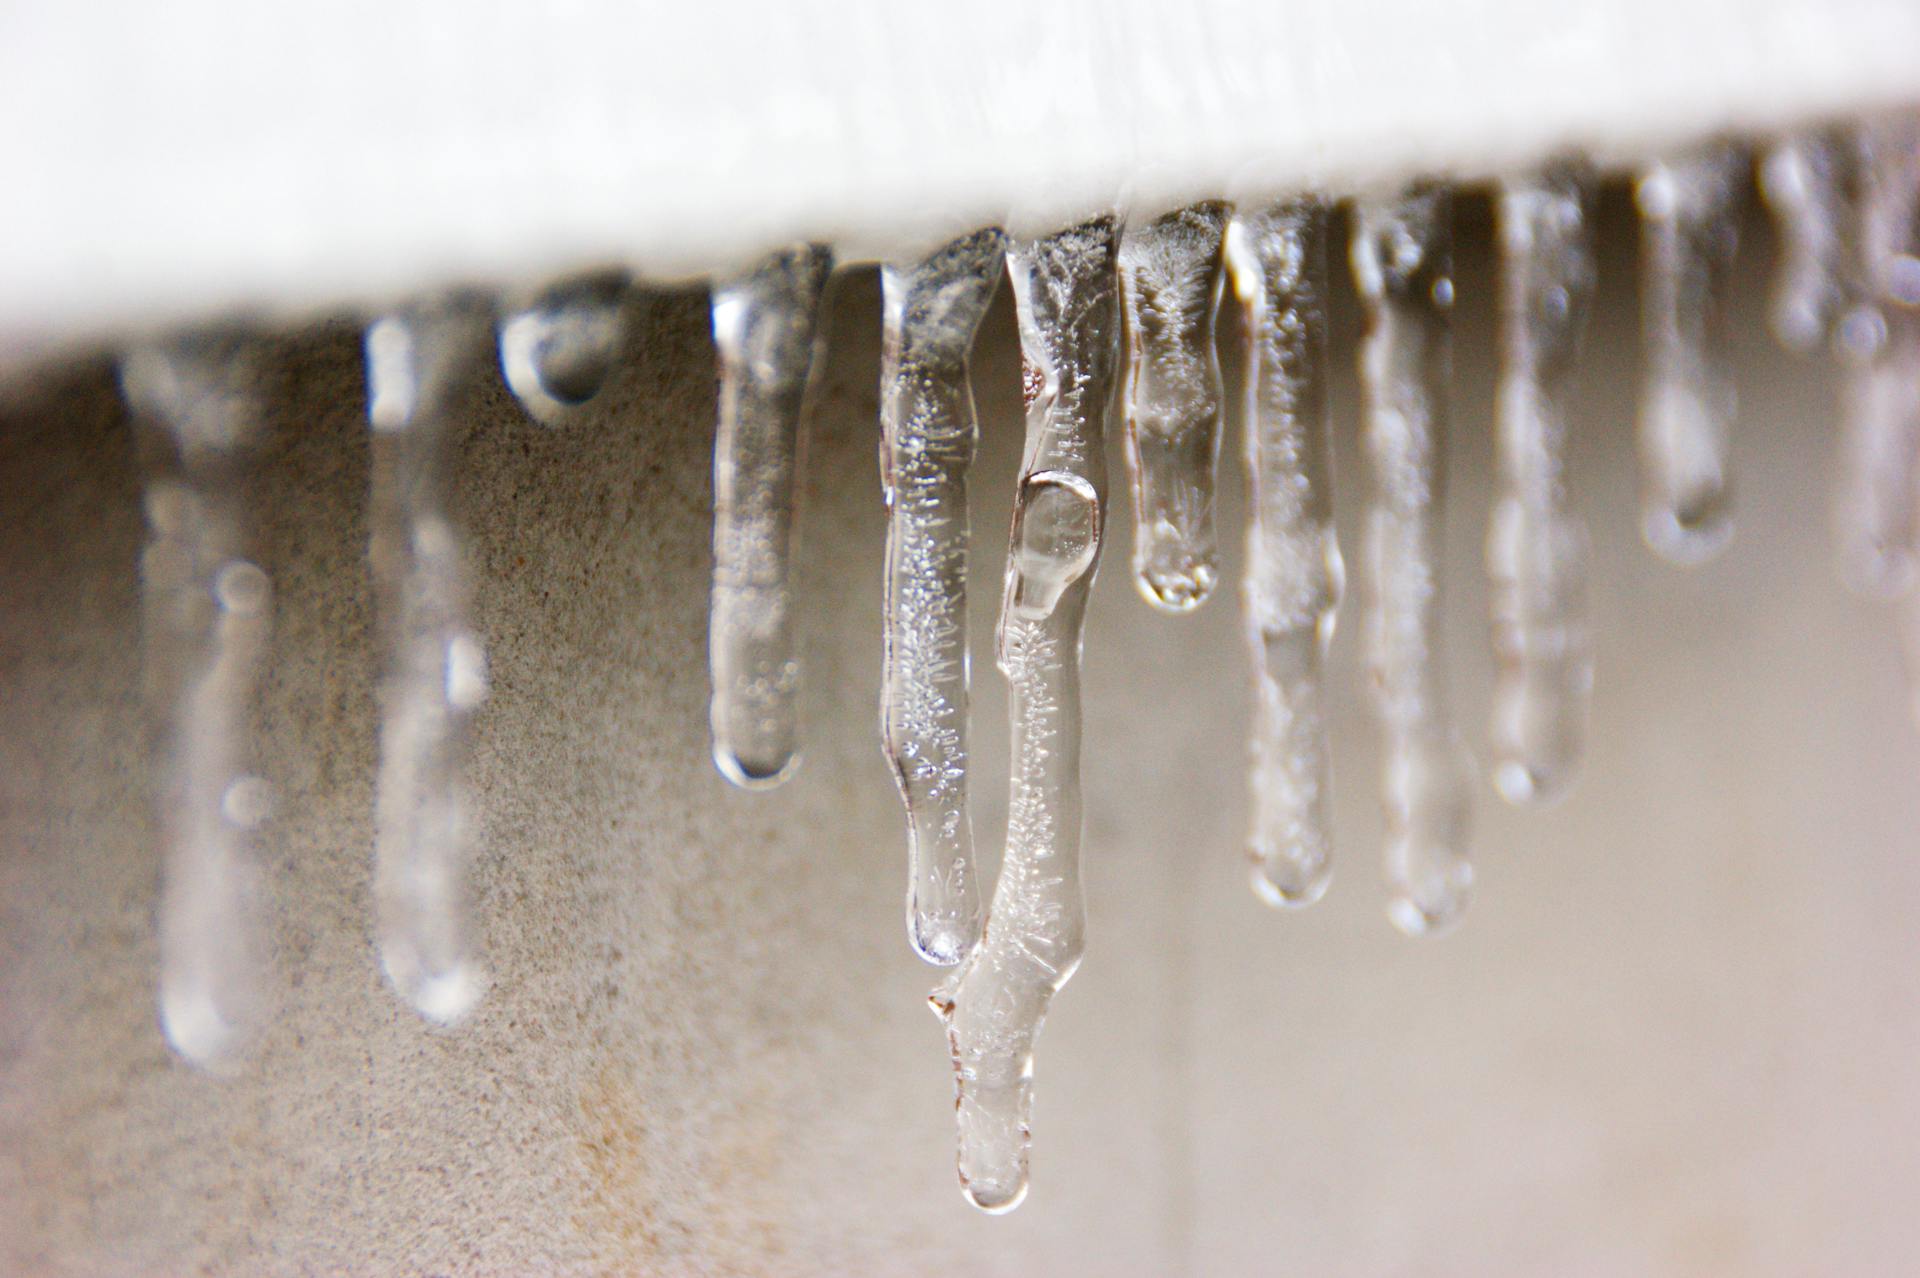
(556, 353)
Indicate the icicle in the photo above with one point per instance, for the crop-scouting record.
(766, 328)
(1799, 179)
(1402, 259)
(207, 612)
(556, 353)
(433, 668)
(1065, 288)
(1689, 229)
(927, 422)
(1877, 339)
(1537, 549)
(1170, 282)
(1277, 258)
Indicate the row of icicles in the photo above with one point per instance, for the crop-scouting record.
(1104, 313)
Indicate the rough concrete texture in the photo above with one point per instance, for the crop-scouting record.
(1674, 1035)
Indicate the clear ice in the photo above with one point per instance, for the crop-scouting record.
(1876, 337)
(766, 330)
(556, 352)
(207, 611)
(1402, 252)
(1170, 276)
(433, 668)
(1277, 260)
(1689, 218)
(1537, 550)
(1799, 179)
(928, 436)
(1065, 289)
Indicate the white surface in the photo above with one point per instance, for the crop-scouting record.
(170, 159)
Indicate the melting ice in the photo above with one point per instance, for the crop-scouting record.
(766, 328)
(1277, 257)
(928, 436)
(1065, 289)
(1402, 252)
(207, 613)
(433, 667)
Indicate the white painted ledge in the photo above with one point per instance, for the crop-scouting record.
(175, 159)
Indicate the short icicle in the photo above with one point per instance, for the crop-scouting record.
(556, 352)
(1170, 276)
(1877, 340)
(1277, 259)
(207, 608)
(928, 436)
(1799, 180)
(1537, 550)
(1066, 291)
(433, 669)
(1402, 262)
(1689, 220)
(766, 331)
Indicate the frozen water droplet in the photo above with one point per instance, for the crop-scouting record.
(1689, 216)
(1170, 275)
(1066, 292)
(433, 671)
(1799, 180)
(1277, 258)
(766, 329)
(1878, 345)
(1401, 247)
(557, 352)
(1536, 548)
(207, 615)
(933, 308)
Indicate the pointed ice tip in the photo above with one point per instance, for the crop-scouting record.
(1686, 542)
(939, 943)
(1286, 886)
(196, 1029)
(994, 1198)
(1176, 590)
(1535, 787)
(1432, 919)
(755, 774)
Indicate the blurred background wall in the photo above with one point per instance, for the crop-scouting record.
(1675, 1034)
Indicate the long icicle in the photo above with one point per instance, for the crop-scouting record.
(1537, 550)
(928, 437)
(433, 668)
(1170, 276)
(1877, 340)
(1689, 215)
(207, 613)
(1402, 262)
(1065, 289)
(766, 331)
(1277, 258)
